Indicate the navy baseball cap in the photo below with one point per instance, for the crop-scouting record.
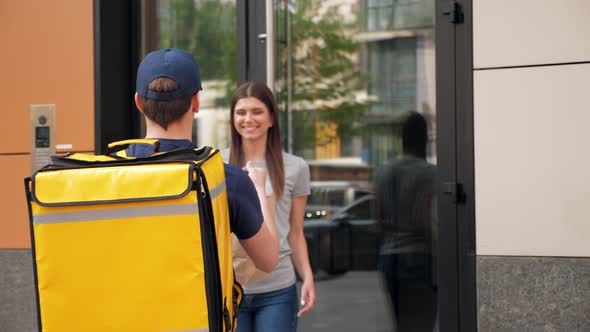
(175, 64)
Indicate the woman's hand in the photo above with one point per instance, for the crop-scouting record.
(307, 297)
(299, 254)
(257, 175)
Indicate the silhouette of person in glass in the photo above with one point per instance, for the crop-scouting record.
(405, 201)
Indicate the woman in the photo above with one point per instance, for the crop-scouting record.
(270, 303)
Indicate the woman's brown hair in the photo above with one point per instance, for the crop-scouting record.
(274, 152)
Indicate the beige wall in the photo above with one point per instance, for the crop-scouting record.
(46, 58)
(526, 32)
(531, 145)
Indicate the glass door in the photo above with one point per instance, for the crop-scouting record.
(359, 99)
(207, 29)
(356, 84)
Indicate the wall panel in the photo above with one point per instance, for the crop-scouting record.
(47, 58)
(531, 161)
(527, 32)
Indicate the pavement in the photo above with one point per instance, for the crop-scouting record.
(354, 301)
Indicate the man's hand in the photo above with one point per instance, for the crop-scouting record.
(257, 175)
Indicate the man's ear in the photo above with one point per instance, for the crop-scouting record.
(195, 103)
(138, 103)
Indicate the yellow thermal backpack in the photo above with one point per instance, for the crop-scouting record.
(133, 244)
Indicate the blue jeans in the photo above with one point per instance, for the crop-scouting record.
(269, 312)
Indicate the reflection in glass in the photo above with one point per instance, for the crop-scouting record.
(326, 93)
(207, 29)
(385, 15)
(348, 74)
(405, 189)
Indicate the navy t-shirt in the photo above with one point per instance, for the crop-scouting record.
(245, 214)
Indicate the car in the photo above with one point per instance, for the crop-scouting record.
(348, 240)
(351, 238)
(327, 197)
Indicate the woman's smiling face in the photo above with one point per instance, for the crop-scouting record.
(252, 119)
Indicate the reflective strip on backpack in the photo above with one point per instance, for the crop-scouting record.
(145, 211)
(217, 190)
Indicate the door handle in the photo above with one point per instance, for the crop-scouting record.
(454, 12)
(456, 191)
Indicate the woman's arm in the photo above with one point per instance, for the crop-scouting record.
(299, 254)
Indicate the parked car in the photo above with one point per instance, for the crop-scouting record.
(348, 240)
(328, 197)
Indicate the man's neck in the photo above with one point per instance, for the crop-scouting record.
(175, 130)
(166, 134)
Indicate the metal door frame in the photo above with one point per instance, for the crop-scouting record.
(455, 144)
(252, 50)
(117, 37)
